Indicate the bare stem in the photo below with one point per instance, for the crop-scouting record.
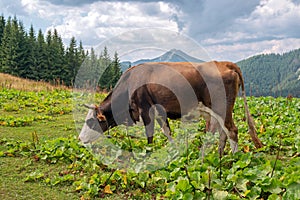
(277, 156)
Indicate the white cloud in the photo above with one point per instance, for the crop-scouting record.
(238, 51)
(274, 17)
(230, 30)
(95, 22)
(272, 26)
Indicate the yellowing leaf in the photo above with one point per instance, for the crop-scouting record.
(262, 129)
(125, 179)
(10, 155)
(246, 149)
(107, 189)
(78, 188)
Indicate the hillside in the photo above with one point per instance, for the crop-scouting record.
(12, 82)
(272, 74)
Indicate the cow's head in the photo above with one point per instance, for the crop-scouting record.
(95, 125)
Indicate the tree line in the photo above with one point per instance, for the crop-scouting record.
(272, 74)
(45, 58)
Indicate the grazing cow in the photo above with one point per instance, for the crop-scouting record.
(174, 90)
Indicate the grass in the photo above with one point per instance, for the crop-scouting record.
(14, 170)
(12, 82)
(33, 99)
(36, 170)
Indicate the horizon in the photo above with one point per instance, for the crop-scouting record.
(160, 55)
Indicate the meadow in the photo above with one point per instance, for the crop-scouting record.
(41, 157)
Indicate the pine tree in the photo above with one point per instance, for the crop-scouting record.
(81, 53)
(23, 53)
(32, 56)
(72, 63)
(48, 76)
(105, 73)
(58, 60)
(88, 74)
(9, 47)
(41, 63)
(2, 27)
(116, 70)
(4, 46)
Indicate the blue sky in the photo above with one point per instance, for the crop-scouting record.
(227, 30)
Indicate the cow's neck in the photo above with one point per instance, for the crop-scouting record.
(115, 107)
(105, 108)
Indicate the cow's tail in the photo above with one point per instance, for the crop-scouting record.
(251, 124)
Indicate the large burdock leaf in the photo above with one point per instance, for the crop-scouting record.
(183, 185)
(219, 194)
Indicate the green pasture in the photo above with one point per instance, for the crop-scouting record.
(41, 158)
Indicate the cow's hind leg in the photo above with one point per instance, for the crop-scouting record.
(165, 127)
(222, 142)
(233, 134)
(147, 115)
(163, 122)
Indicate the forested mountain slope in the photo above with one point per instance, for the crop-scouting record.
(272, 74)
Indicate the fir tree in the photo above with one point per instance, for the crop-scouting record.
(58, 61)
(72, 63)
(2, 27)
(41, 65)
(9, 48)
(32, 56)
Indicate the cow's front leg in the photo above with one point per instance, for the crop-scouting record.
(148, 119)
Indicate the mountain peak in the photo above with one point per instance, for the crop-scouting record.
(173, 55)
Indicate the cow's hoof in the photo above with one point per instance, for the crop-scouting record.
(150, 140)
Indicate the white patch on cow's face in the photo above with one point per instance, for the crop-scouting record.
(91, 129)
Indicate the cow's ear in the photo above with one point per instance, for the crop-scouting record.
(101, 117)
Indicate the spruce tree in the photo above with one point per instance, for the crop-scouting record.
(104, 63)
(2, 27)
(23, 52)
(41, 65)
(72, 64)
(32, 56)
(116, 70)
(9, 47)
(50, 57)
(58, 60)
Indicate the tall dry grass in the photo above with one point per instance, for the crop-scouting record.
(11, 82)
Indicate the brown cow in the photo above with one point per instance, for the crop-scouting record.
(174, 90)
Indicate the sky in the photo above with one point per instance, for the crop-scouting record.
(225, 30)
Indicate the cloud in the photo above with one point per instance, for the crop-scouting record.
(237, 30)
(274, 17)
(229, 29)
(12, 8)
(94, 22)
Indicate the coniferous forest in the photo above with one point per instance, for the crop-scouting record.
(44, 57)
(272, 74)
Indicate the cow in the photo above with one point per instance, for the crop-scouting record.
(173, 90)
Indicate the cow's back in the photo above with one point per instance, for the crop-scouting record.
(179, 86)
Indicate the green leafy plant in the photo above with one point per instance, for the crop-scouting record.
(161, 171)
